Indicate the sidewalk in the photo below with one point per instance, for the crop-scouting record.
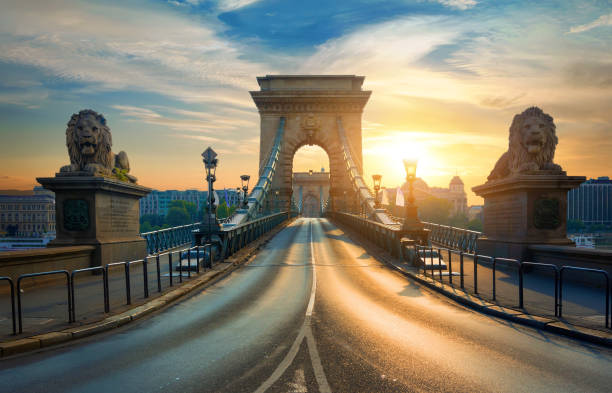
(45, 308)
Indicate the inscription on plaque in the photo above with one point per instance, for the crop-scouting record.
(76, 215)
(122, 217)
(547, 214)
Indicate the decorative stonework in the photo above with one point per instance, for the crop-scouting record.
(547, 213)
(89, 143)
(525, 197)
(310, 125)
(312, 106)
(532, 145)
(76, 215)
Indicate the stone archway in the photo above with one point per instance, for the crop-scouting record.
(311, 106)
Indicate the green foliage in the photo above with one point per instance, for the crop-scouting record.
(223, 210)
(189, 207)
(459, 220)
(434, 209)
(120, 174)
(574, 226)
(475, 225)
(177, 216)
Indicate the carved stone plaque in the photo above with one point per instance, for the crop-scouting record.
(546, 214)
(76, 215)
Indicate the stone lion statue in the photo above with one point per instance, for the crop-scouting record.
(89, 142)
(532, 145)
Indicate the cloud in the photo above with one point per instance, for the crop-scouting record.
(230, 5)
(180, 57)
(191, 121)
(459, 4)
(604, 20)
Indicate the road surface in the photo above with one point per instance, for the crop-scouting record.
(314, 312)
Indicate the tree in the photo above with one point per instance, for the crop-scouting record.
(177, 216)
(574, 226)
(459, 220)
(189, 207)
(153, 219)
(434, 210)
(475, 225)
(222, 210)
(146, 227)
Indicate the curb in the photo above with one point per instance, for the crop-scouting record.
(486, 307)
(29, 344)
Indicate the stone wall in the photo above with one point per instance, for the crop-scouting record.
(15, 263)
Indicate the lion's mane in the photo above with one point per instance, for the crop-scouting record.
(518, 152)
(517, 159)
(103, 155)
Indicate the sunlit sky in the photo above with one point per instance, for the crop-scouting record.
(172, 77)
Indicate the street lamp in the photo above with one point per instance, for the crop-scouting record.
(412, 221)
(210, 224)
(276, 210)
(245, 188)
(376, 179)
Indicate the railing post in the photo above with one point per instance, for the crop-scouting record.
(521, 286)
(128, 288)
(494, 262)
(159, 287)
(450, 267)
(461, 269)
(476, 274)
(145, 274)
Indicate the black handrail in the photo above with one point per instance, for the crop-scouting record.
(10, 281)
(104, 288)
(521, 280)
(30, 275)
(587, 270)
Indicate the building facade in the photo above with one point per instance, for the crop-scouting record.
(158, 202)
(311, 191)
(591, 203)
(455, 194)
(28, 215)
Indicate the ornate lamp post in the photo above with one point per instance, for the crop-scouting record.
(276, 210)
(210, 225)
(376, 179)
(245, 188)
(411, 222)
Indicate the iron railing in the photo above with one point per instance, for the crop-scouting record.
(388, 237)
(165, 239)
(233, 239)
(452, 237)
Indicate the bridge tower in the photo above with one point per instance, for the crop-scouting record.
(311, 106)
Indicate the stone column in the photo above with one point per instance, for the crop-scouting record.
(98, 211)
(523, 210)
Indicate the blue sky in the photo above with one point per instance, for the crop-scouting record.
(173, 77)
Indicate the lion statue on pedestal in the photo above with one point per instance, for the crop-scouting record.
(89, 142)
(532, 145)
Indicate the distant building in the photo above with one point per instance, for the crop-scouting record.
(310, 191)
(591, 203)
(475, 211)
(158, 202)
(27, 216)
(455, 193)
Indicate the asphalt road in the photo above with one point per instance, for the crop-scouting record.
(346, 324)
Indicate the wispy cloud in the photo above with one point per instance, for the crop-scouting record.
(604, 20)
(459, 4)
(180, 57)
(230, 5)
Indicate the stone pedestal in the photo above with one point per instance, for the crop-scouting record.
(98, 211)
(524, 210)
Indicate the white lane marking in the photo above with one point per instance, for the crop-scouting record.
(305, 331)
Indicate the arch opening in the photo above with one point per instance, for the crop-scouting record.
(310, 179)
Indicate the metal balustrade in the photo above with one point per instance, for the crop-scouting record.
(165, 239)
(463, 243)
(233, 239)
(452, 237)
